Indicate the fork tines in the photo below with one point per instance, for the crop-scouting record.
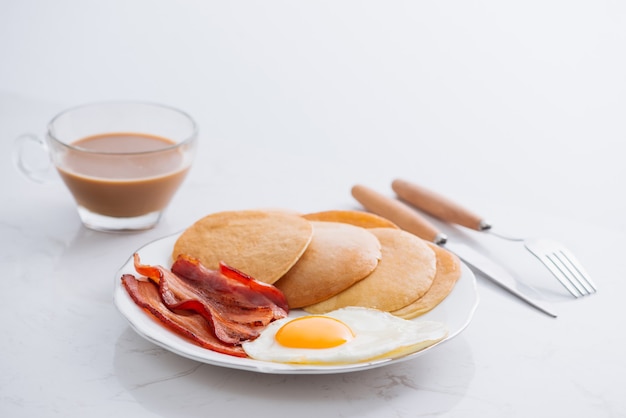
(564, 266)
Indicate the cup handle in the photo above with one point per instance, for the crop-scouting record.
(30, 155)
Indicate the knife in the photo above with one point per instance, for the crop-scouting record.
(411, 221)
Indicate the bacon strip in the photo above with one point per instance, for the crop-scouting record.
(191, 326)
(236, 306)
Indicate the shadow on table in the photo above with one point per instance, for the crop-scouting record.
(171, 386)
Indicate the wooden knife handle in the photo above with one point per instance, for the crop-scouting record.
(397, 212)
(437, 205)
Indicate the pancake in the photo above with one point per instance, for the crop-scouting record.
(263, 244)
(404, 274)
(338, 256)
(448, 272)
(353, 217)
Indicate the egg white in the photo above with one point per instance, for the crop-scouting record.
(377, 335)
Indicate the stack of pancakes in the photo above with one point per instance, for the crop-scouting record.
(327, 260)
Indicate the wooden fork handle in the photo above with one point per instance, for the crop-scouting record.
(438, 205)
(399, 213)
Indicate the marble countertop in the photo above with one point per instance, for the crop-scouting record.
(515, 110)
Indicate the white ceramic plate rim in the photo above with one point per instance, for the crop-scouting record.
(456, 311)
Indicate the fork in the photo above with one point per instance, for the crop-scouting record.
(559, 261)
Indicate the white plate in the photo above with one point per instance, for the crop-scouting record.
(455, 311)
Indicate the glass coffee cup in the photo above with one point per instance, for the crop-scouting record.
(122, 161)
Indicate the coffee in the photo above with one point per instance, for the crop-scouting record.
(123, 175)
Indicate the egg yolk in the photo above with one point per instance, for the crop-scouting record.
(314, 332)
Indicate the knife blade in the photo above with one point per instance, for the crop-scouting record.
(411, 221)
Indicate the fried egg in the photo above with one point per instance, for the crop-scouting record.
(347, 335)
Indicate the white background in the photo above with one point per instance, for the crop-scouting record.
(516, 109)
